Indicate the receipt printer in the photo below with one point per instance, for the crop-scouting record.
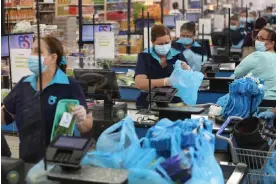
(68, 151)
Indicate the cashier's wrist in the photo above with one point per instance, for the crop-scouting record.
(166, 82)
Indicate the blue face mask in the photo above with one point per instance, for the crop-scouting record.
(243, 20)
(260, 46)
(233, 28)
(162, 49)
(250, 19)
(186, 41)
(33, 64)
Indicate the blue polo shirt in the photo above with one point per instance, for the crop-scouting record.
(23, 102)
(156, 70)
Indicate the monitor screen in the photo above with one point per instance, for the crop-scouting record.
(17, 41)
(97, 83)
(169, 21)
(70, 142)
(87, 31)
(192, 17)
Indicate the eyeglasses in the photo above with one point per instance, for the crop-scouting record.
(259, 38)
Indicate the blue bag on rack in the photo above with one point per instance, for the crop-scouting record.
(187, 83)
(205, 168)
(245, 95)
(103, 160)
(118, 137)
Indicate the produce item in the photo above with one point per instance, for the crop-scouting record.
(64, 122)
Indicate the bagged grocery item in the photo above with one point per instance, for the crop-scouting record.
(187, 83)
(64, 122)
(37, 174)
(118, 137)
(245, 95)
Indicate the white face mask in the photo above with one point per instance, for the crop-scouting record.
(162, 49)
(260, 46)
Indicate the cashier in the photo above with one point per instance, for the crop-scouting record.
(22, 105)
(160, 60)
(191, 50)
(237, 33)
(262, 63)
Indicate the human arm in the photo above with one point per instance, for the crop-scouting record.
(268, 115)
(142, 82)
(84, 120)
(247, 65)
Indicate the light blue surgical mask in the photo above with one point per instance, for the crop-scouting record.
(243, 20)
(33, 64)
(162, 49)
(233, 27)
(260, 46)
(186, 41)
(250, 19)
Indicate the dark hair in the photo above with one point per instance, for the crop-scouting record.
(189, 26)
(175, 5)
(260, 23)
(56, 47)
(243, 11)
(271, 36)
(269, 8)
(235, 17)
(159, 30)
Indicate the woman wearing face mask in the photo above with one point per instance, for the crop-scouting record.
(160, 60)
(262, 63)
(249, 44)
(191, 50)
(22, 105)
(237, 34)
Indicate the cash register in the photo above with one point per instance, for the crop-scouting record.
(102, 85)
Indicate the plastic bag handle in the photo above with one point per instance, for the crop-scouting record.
(226, 123)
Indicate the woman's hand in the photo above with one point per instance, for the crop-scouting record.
(80, 113)
(185, 66)
(167, 82)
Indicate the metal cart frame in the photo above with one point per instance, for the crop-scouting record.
(255, 160)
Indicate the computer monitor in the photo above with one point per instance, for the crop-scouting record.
(194, 17)
(98, 84)
(206, 46)
(219, 39)
(169, 21)
(87, 31)
(139, 23)
(17, 41)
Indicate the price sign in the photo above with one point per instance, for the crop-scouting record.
(104, 28)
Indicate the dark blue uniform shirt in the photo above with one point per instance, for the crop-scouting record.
(23, 102)
(151, 60)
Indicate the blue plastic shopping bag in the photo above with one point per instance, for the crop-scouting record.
(187, 82)
(118, 137)
(145, 176)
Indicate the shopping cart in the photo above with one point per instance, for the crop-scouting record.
(257, 161)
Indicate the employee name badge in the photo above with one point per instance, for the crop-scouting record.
(66, 120)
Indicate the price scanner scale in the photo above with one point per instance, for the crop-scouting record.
(66, 153)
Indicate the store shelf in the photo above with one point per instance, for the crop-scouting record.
(116, 11)
(116, 2)
(19, 7)
(47, 11)
(45, 3)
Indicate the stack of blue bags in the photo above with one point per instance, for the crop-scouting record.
(245, 95)
(181, 152)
